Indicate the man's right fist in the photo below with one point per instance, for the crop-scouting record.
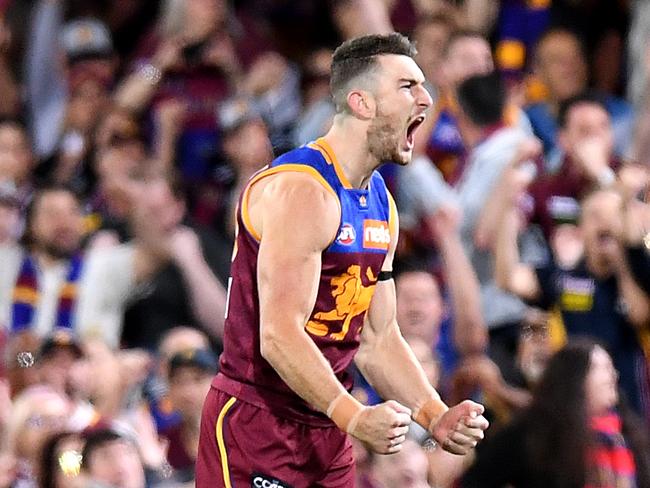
(383, 427)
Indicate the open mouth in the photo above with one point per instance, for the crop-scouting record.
(412, 127)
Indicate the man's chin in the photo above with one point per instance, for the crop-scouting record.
(60, 252)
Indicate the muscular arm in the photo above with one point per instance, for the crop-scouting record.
(297, 218)
(388, 363)
(384, 358)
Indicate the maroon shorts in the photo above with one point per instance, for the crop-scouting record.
(244, 446)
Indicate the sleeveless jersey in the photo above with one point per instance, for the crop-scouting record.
(349, 271)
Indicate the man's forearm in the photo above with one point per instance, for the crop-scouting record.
(301, 365)
(394, 372)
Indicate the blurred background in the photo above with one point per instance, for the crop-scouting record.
(128, 129)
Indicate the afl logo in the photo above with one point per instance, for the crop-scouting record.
(347, 235)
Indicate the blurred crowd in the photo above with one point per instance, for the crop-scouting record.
(128, 129)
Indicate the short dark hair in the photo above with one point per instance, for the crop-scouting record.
(591, 98)
(27, 239)
(482, 98)
(49, 460)
(96, 439)
(358, 56)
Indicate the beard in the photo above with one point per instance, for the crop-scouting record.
(58, 251)
(384, 136)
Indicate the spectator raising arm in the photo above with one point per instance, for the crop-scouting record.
(470, 334)
(509, 272)
(137, 90)
(207, 295)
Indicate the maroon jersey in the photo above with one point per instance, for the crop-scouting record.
(350, 267)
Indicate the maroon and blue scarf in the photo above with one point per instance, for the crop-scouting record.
(610, 462)
(26, 295)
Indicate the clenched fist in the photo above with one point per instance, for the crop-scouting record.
(383, 427)
(460, 428)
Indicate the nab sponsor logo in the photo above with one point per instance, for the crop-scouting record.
(376, 234)
(347, 235)
(263, 481)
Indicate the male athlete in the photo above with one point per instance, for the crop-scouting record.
(311, 290)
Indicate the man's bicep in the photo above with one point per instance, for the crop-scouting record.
(382, 311)
(297, 225)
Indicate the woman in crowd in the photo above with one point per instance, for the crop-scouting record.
(577, 432)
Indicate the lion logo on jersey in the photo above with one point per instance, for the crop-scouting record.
(351, 297)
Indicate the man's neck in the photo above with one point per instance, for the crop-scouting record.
(348, 140)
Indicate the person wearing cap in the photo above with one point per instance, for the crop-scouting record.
(69, 69)
(189, 377)
(55, 358)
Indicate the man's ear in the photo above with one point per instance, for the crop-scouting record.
(362, 104)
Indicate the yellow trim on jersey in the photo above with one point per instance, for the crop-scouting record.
(326, 150)
(297, 168)
(220, 442)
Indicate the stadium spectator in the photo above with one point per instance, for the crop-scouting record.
(183, 288)
(576, 432)
(596, 296)
(36, 413)
(317, 105)
(587, 141)
(109, 458)
(55, 360)
(189, 57)
(70, 69)
(17, 162)
(190, 375)
(246, 145)
(560, 63)
(60, 463)
(406, 469)
(492, 146)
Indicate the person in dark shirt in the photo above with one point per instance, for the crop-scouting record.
(575, 433)
(595, 296)
(587, 140)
